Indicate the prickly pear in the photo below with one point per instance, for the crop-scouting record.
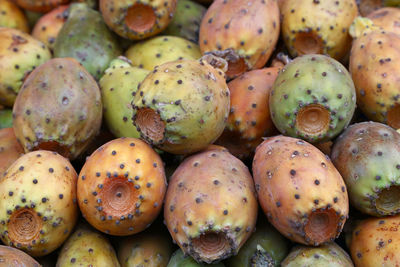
(11, 16)
(41, 6)
(10, 149)
(6, 120)
(179, 259)
(387, 18)
(10, 256)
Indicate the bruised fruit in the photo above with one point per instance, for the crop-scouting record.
(41, 6)
(49, 25)
(367, 155)
(38, 207)
(182, 106)
(179, 259)
(300, 191)
(121, 187)
(376, 242)
(19, 55)
(135, 20)
(87, 247)
(313, 98)
(387, 18)
(10, 149)
(85, 37)
(211, 207)
(11, 16)
(249, 117)
(119, 82)
(243, 32)
(327, 255)
(161, 49)
(10, 256)
(58, 108)
(318, 27)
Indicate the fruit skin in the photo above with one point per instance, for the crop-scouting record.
(329, 255)
(46, 29)
(387, 18)
(19, 55)
(85, 37)
(375, 242)
(312, 82)
(87, 247)
(152, 16)
(265, 247)
(179, 259)
(158, 50)
(367, 155)
(41, 6)
(189, 102)
(6, 120)
(39, 202)
(122, 187)
(70, 110)
(246, 38)
(366, 7)
(10, 256)
(300, 191)
(11, 16)
(117, 85)
(249, 117)
(10, 149)
(211, 207)
(186, 21)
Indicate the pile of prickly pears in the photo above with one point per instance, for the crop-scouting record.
(184, 133)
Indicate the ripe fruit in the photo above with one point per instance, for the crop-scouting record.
(11, 16)
(10, 256)
(10, 149)
(387, 18)
(41, 6)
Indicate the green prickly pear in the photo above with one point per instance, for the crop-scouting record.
(85, 37)
(119, 82)
(6, 120)
(11, 16)
(179, 259)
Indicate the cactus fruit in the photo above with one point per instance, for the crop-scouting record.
(179, 259)
(152, 249)
(58, 108)
(300, 191)
(265, 247)
(327, 255)
(6, 120)
(87, 247)
(38, 207)
(313, 98)
(366, 7)
(161, 49)
(186, 21)
(373, 65)
(117, 85)
(19, 55)
(10, 256)
(375, 242)
(41, 6)
(10, 149)
(326, 31)
(136, 20)
(122, 187)
(211, 207)
(387, 18)
(245, 37)
(249, 118)
(367, 155)
(49, 25)
(11, 16)
(85, 37)
(182, 106)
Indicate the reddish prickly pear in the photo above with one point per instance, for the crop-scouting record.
(10, 256)
(11, 16)
(387, 18)
(40, 5)
(10, 149)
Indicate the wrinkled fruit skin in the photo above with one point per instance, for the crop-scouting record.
(367, 155)
(211, 207)
(318, 27)
(178, 259)
(375, 242)
(12, 16)
(121, 187)
(329, 255)
(119, 82)
(136, 20)
(249, 117)
(182, 106)
(49, 25)
(41, 6)
(10, 256)
(161, 49)
(245, 38)
(19, 55)
(38, 204)
(70, 110)
(87, 247)
(313, 98)
(387, 18)
(186, 21)
(10, 149)
(299, 190)
(85, 37)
